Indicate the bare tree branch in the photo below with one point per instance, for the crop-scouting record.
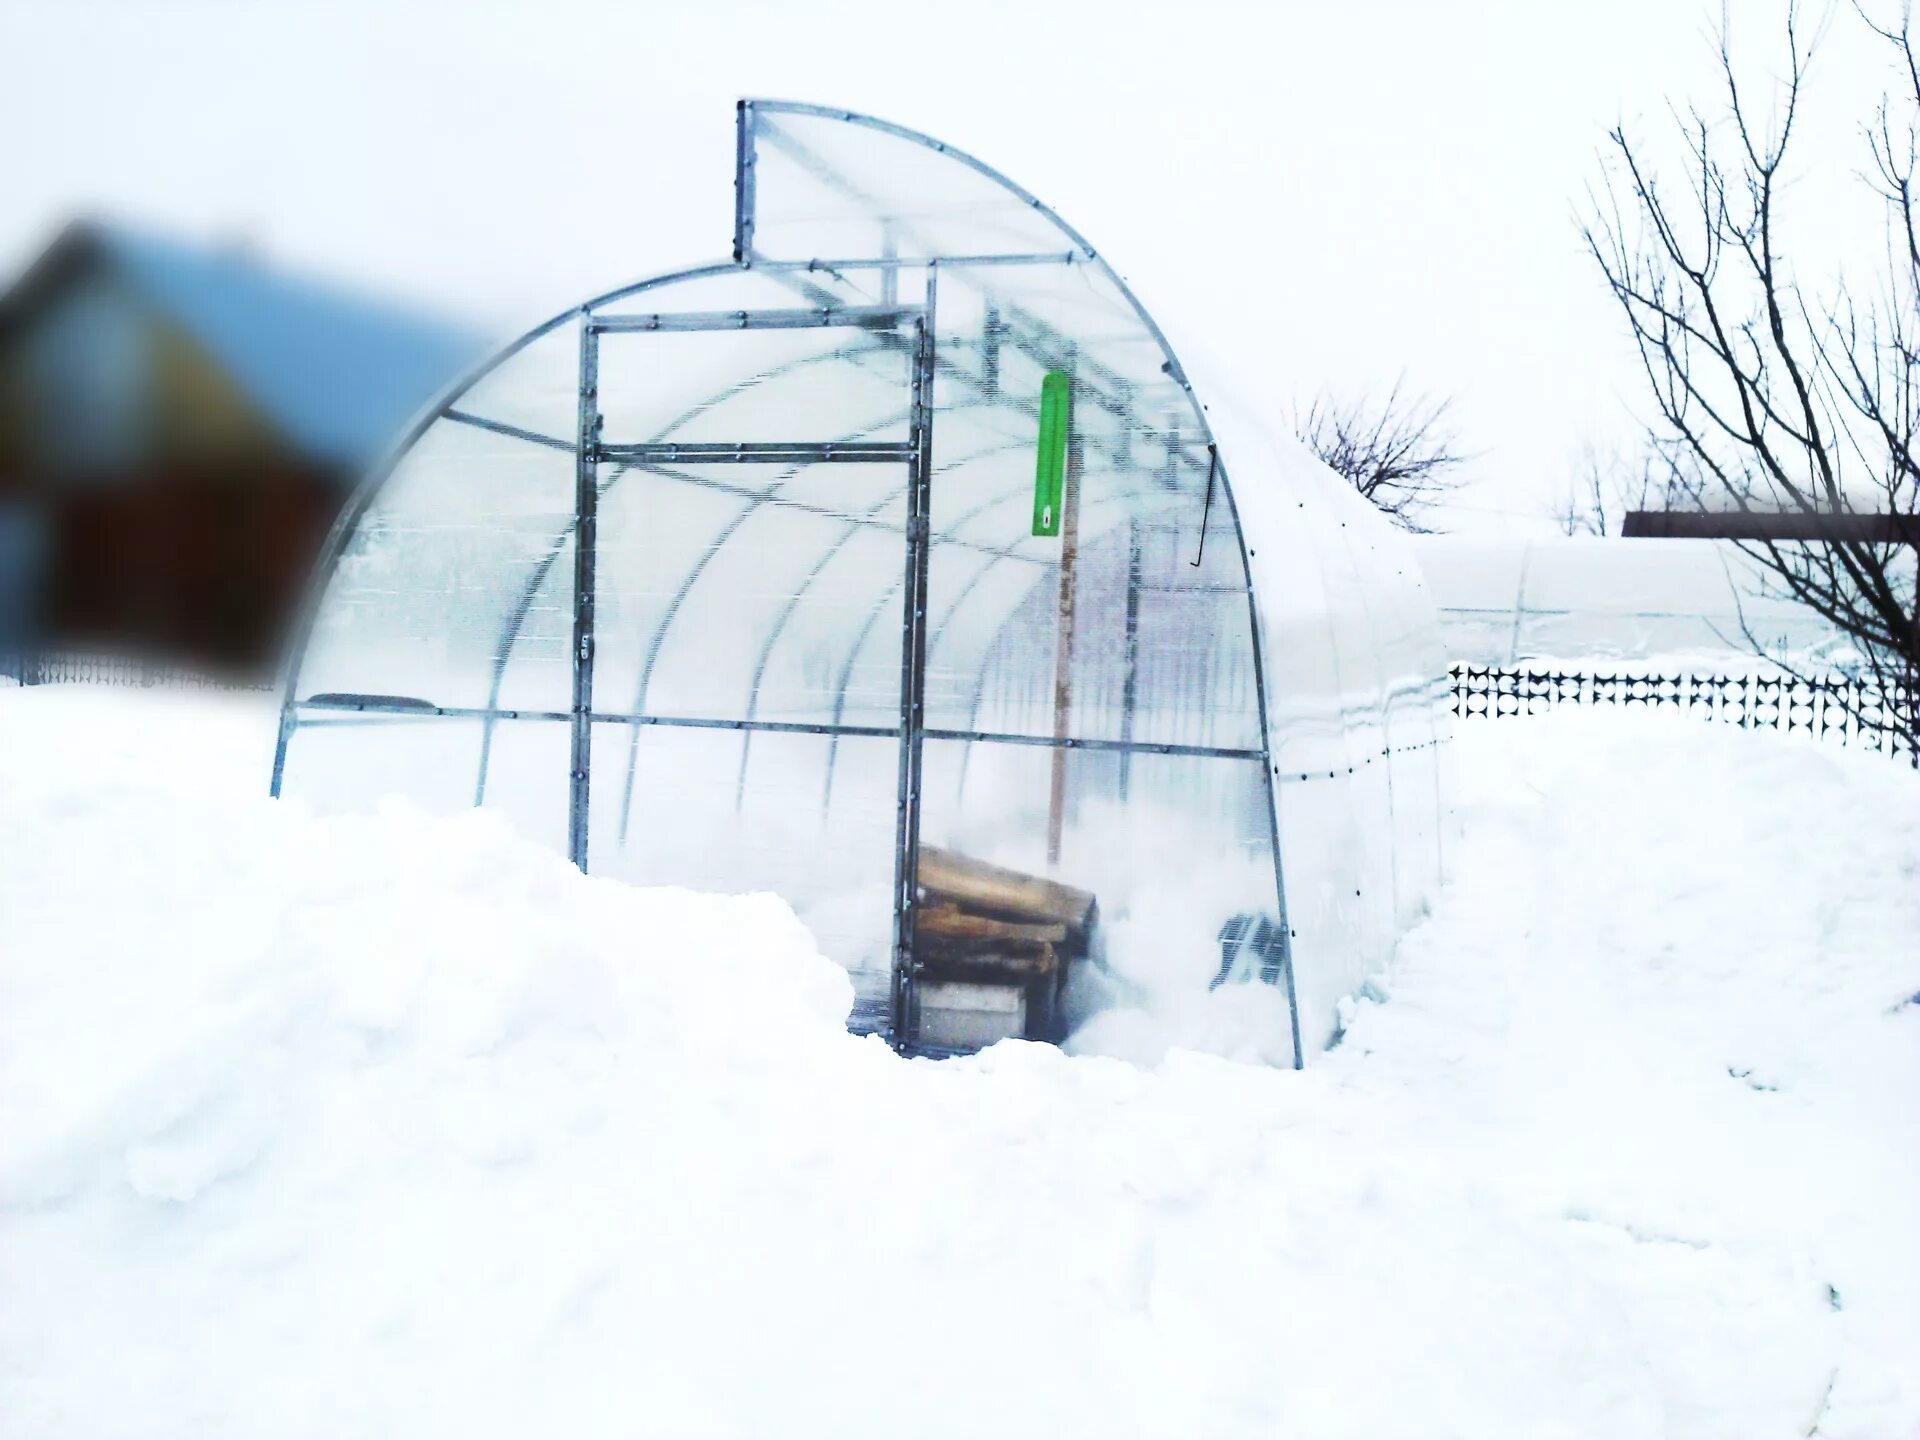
(1765, 399)
(1399, 453)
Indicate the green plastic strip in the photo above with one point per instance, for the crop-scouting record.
(1050, 466)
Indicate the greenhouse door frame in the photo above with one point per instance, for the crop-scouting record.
(916, 322)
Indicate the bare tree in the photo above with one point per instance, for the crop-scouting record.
(1398, 452)
(1767, 399)
(1606, 485)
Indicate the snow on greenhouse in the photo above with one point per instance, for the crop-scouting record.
(1504, 600)
(897, 566)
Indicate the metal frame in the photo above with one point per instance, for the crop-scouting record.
(762, 452)
(913, 677)
(591, 453)
(586, 504)
(744, 253)
(864, 317)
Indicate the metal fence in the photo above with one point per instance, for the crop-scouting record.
(1833, 707)
(70, 667)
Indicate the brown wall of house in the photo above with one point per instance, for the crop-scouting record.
(181, 528)
(205, 569)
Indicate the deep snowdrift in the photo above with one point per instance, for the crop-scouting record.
(397, 1126)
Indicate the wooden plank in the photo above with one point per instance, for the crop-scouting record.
(949, 921)
(946, 877)
(1063, 653)
(993, 966)
(951, 948)
(1776, 525)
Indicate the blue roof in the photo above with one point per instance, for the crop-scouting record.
(338, 374)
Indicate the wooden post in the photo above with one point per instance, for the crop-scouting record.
(1063, 646)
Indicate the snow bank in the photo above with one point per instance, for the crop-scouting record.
(395, 1125)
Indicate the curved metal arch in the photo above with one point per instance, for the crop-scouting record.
(1001, 446)
(995, 556)
(685, 588)
(1178, 373)
(517, 616)
(354, 512)
(347, 523)
(510, 631)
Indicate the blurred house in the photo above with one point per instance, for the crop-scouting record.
(179, 426)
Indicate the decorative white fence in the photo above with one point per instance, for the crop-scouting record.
(1833, 707)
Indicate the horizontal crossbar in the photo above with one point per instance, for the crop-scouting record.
(778, 452)
(1071, 742)
(408, 706)
(865, 317)
(937, 262)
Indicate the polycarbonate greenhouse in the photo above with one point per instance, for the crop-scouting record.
(897, 566)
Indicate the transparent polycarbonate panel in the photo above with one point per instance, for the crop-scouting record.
(1350, 621)
(730, 288)
(1352, 679)
(527, 777)
(832, 383)
(1414, 771)
(351, 763)
(451, 567)
(828, 189)
(1156, 656)
(724, 811)
(1307, 727)
(750, 592)
(1334, 833)
(348, 764)
(1170, 847)
(1159, 648)
(536, 389)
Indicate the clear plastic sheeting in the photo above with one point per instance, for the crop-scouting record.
(825, 189)
(1502, 601)
(734, 580)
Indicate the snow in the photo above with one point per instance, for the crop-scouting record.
(1700, 605)
(390, 1124)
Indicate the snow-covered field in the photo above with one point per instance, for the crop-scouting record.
(394, 1126)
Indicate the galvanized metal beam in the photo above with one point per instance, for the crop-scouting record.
(402, 707)
(914, 262)
(743, 182)
(863, 317)
(913, 680)
(500, 427)
(586, 506)
(1119, 747)
(765, 452)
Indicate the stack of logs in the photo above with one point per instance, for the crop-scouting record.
(983, 925)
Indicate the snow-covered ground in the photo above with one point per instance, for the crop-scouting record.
(397, 1126)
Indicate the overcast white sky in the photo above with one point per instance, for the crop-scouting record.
(1328, 194)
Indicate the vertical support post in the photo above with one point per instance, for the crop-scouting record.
(913, 676)
(283, 738)
(586, 505)
(889, 272)
(1063, 642)
(743, 190)
(990, 355)
(1130, 684)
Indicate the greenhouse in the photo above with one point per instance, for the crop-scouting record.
(898, 567)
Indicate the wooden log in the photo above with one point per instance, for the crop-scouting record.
(947, 878)
(947, 921)
(960, 946)
(997, 967)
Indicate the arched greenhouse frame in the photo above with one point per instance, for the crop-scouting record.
(895, 566)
